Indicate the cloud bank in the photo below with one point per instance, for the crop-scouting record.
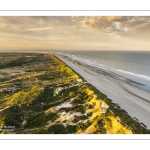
(75, 32)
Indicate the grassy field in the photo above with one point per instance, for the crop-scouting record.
(39, 94)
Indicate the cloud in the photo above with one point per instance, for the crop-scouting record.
(26, 22)
(124, 26)
(76, 27)
(3, 25)
(116, 18)
(103, 23)
(143, 27)
(40, 29)
(33, 26)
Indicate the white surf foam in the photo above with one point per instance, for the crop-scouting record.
(134, 76)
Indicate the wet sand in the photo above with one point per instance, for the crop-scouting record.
(120, 90)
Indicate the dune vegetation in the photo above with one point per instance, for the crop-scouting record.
(39, 94)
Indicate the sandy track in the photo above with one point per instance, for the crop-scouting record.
(121, 90)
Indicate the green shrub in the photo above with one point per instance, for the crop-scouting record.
(71, 129)
(39, 119)
(57, 129)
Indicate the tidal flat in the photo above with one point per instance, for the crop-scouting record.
(40, 94)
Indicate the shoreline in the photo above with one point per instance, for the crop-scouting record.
(122, 91)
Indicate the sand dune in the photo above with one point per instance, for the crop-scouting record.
(121, 90)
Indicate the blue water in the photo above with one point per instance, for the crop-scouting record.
(130, 64)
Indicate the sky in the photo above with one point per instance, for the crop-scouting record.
(74, 33)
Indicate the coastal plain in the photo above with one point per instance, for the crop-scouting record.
(52, 94)
(124, 92)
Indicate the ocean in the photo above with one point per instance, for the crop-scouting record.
(134, 65)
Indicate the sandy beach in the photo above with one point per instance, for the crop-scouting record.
(120, 90)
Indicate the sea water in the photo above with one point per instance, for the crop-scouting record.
(134, 65)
